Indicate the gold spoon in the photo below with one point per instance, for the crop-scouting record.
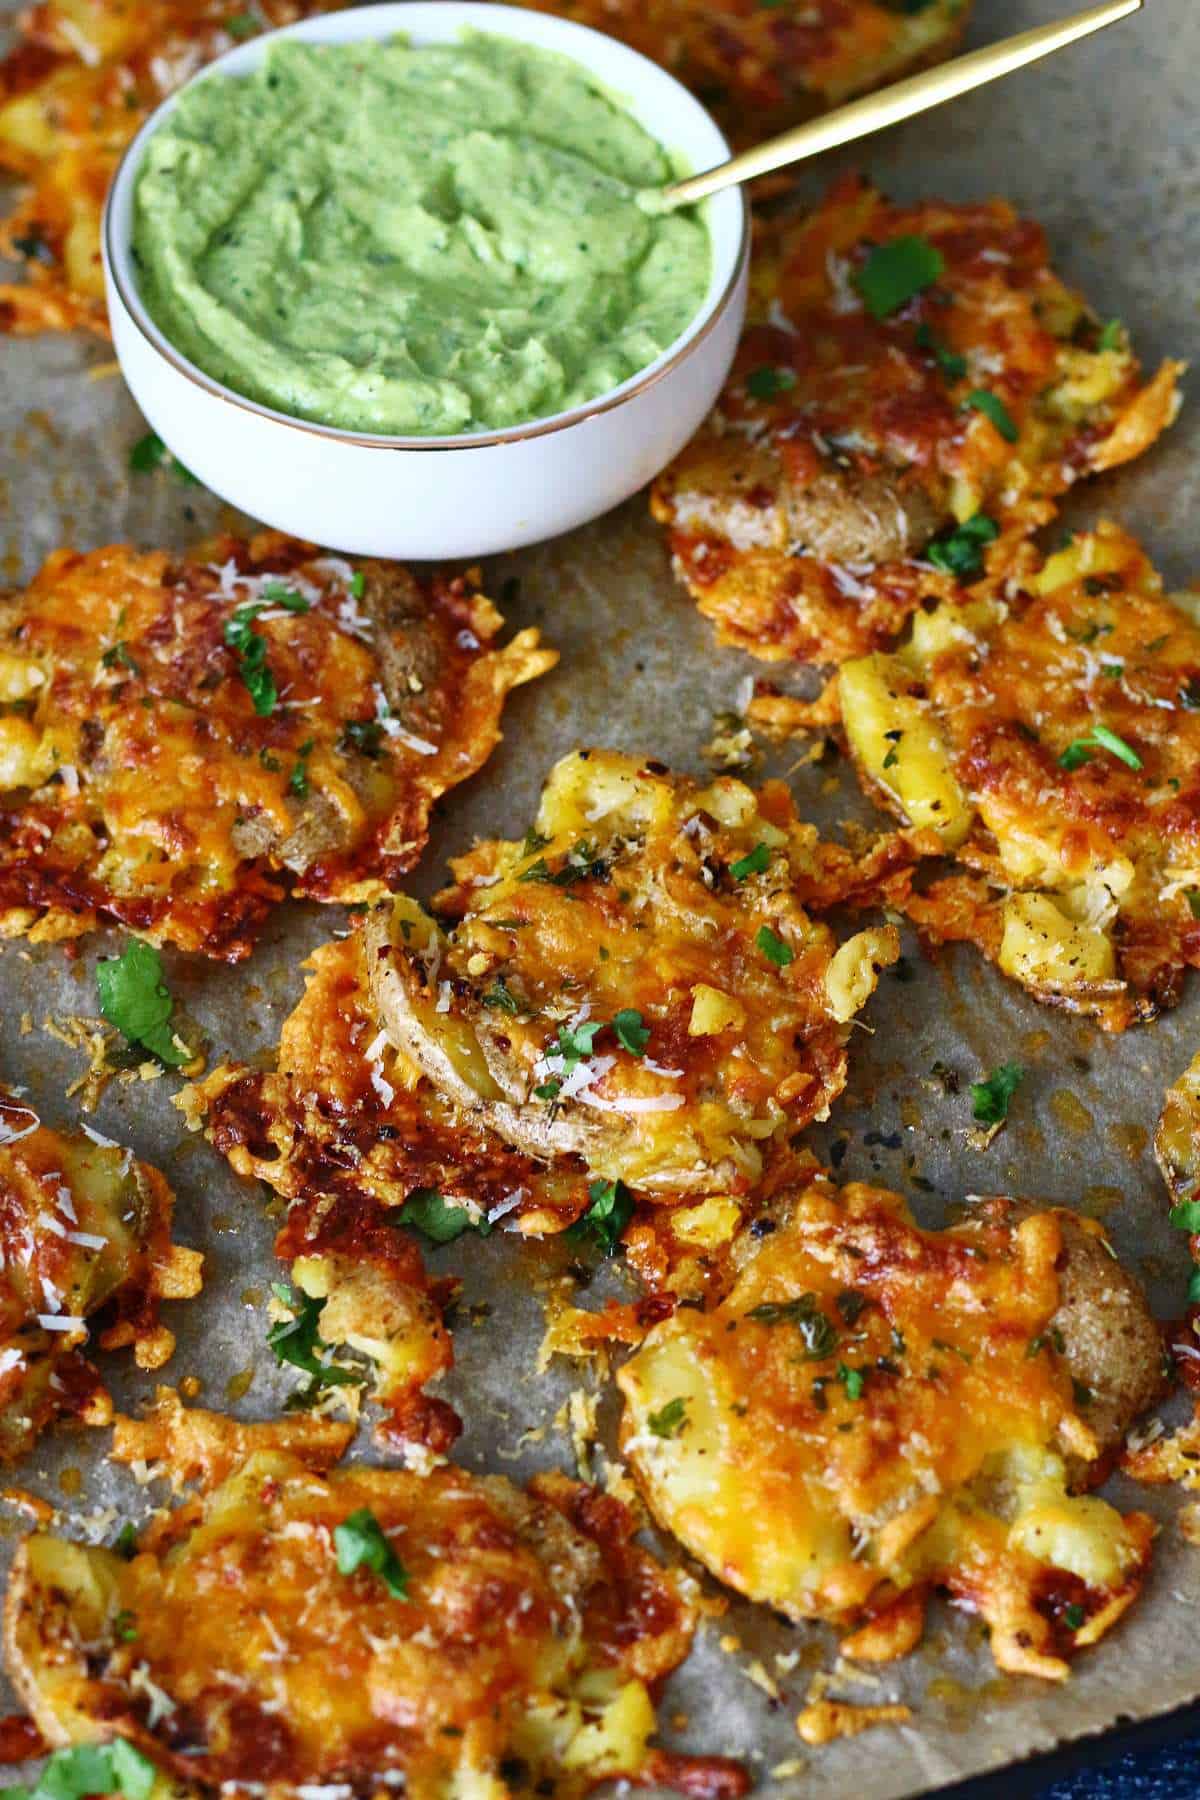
(891, 105)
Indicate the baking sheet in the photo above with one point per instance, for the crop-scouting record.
(1100, 145)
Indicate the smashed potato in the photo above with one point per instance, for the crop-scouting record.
(182, 742)
(638, 983)
(760, 69)
(296, 1624)
(873, 1409)
(83, 1226)
(82, 78)
(1048, 730)
(915, 388)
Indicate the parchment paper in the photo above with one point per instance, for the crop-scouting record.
(1101, 146)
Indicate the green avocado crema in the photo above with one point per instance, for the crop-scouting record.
(413, 240)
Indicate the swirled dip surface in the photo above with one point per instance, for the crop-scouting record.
(413, 240)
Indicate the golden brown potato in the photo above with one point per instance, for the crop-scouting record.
(915, 388)
(638, 983)
(1048, 730)
(872, 1409)
(84, 1227)
(297, 1624)
(183, 743)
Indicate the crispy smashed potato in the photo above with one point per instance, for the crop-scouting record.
(81, 79)
(760, 69)
(181, 743)
(295, 1624)
(638, 983)
(83, 1226)
(914, 389)
(1048, 730)
(873, 1409)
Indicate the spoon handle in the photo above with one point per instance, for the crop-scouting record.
(901, 101)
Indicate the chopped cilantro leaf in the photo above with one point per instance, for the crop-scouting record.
(960, 552)
(816, 1331)
(151, 453)
(1112, 336)
(120, 653)
(990, 1099)
(500, 997)
(361, 1544)
(632, 1035)
(853, 1380)
(1193, 1288)
(297, 1342)
(753, 863)
(438, 1218)
(609, 1212)
(768, 383)
(578, 1041)
(1186, 1215)
(549, 1090)
(84, 1769)
(1100, 737)
(1192, 896)
(275, 593)
(250, 648)
(125, 1543)
(358, 584)
(365, 735)
(895, 271)
(1074, 1616)
(125, 1626)
(774, 948)
(893, 755)
(952, 365)
(982, 400)
(670, 1419)
(1112, 671)
(135, 998)
(298, 779)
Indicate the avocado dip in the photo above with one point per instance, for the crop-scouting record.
(413, 240)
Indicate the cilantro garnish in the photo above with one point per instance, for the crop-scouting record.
(1193, 1291)
(1186, 1215)
(632, 1035)
(125, 1542)
(753, 863)
(670, 1419)
(250, 647)
(1074, 1616)
(895, 271)
(1192, 896)
(609, 1212)
(500, 997)
(774, 948)
(151, 453)
(365, 735)
(960, 552)
(298, 779)
(242, 25)
(1098, 738)
(549, 1090)
(358, 584)
(580, 864)
(952, 365)
(816, 1331)
(125, 1626)
(298, 1343)
(120, 653)
(768, 383)
(135, 998)
(85, 1769)
(438, 1218)
(982, 400)
(360, 1544)
(1112, 336)
(853, 1380)
(990, 1099)
(893, 755)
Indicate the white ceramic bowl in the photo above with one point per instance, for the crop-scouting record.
(451, 496)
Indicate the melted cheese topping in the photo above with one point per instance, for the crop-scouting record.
(82, 1225)
(1088, 876)
(145, 779)
(83, 76)
(530, 1630)
(638, 982)
(872, 1409)
(759, 69)
(798, 516)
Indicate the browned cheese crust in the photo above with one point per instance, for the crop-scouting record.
(182, 743)
(825, 497)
